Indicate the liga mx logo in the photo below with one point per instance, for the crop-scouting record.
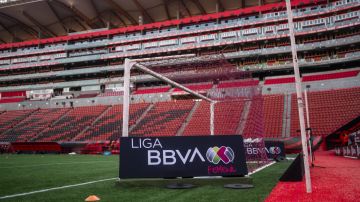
(215, 155)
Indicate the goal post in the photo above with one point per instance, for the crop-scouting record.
(126, 101)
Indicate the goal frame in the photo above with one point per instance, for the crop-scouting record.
(129, 64)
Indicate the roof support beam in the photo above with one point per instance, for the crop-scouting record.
(185, 7)
(80, 23)
(121, 11)
(92, 3)
(42, 28)
(199, 6)
(22, 25)
(143, 11)
(220, 6)
(242, 3)
(166, 10)
(57, 16)
(118, 17)
(77, 13)
(14, 38)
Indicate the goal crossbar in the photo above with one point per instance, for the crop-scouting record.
(126, 100)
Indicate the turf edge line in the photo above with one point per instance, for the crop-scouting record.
(55, 188)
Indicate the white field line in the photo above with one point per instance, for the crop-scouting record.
(56, 188)
(352, 157)
(55, 164)
(261, 168)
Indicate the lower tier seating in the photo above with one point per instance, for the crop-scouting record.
(164, 119)
(71, 124)
(329, 110)
(9, 119)
(109, 126)
(273, 115)
(227, 118)
(32, 125)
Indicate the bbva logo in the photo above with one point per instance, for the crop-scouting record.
(170, 157)
(215, 155)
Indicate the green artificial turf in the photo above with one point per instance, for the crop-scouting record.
(25, 173)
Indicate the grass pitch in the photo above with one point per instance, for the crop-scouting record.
(27, 173)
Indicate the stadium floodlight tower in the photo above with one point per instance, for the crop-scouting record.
(139, 64)
(299, 97)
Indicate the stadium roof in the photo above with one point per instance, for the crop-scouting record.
(22, 20)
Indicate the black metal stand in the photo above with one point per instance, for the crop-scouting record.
(180, 186)
(239, 186)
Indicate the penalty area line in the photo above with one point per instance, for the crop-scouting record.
(56, 188)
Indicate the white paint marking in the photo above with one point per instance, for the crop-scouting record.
(55, 164)
(56, 188)
(352, 157)
(261, 168)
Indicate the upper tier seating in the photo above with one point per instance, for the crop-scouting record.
(152, 90)
(309, 78)
(32, 125)
(12, 100)
(195, 87)
(54, 42)
(273, 115)
(226, 122)
(270, 81)
(88, 95)
(109, 126)
(234, 84)
(164, 119)
(111, 93)
(71, 124)
(337, 75)
(329, 110)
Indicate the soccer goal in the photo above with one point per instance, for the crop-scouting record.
(225, 101)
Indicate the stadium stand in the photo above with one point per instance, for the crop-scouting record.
(227, 118)
(70, 125)
(151, 90)
(32, 125)
(108, 127)
(338, 75)
(164, 119)
(273, 115)
(329, 110)
(234, 84)
(9, 119)
(111, 93)
(195, 87)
